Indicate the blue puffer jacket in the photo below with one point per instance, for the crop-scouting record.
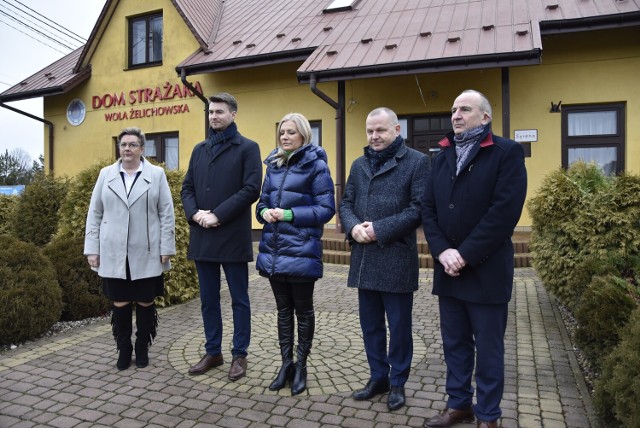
(304, 185)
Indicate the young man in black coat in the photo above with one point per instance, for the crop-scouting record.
(471, 206)
(223, 180)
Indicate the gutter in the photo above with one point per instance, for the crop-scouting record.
(205, 100)
(340, 140)
(39, 119)
(432, 66)
(248, 61)
(591, 23)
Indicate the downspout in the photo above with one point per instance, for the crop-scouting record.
(183, 78)
(39, 119)
(340, 139)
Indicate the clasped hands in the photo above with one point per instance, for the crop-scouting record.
(452, 261)
(363, 233)
(272, 215)
(206, 219)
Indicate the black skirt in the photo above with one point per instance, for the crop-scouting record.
(126, 290)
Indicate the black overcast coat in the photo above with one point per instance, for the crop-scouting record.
(476, 213)
(227, 184)
(391, 200)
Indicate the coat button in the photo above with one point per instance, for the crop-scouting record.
(451, 206)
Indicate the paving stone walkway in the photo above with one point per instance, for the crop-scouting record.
(70, 380)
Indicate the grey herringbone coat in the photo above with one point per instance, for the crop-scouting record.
(391, 200)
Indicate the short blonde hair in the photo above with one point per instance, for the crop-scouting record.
(304, 128)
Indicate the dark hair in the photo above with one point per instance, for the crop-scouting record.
(132, 130)
(224, 97)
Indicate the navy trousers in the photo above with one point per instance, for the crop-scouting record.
(237, 275)
(473, 331)
(396, 363)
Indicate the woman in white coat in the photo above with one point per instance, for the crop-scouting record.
(130, 236)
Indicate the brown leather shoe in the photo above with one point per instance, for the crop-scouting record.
(488, 424)
(451, 417)
(207, 362)
(238, 368)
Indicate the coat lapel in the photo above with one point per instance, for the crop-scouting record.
(114, 181)
(141, 185)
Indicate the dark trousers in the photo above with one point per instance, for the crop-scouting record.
(237, 275)
(473, 331)
(396, 363)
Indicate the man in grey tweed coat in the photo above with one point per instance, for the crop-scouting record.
(380, 211)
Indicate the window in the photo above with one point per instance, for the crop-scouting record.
(160, 148)
(424, 132)
(316, 132)
(163, 148)
(594, 133)
(145, 40)
(340, 5)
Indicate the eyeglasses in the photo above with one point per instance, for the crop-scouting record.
(131, 145)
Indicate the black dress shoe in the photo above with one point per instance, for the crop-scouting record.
(396, 398)
(206, 363)
(371, 389)
(450, 417)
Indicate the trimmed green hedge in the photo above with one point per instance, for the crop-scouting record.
(585, 246)
(30, 297)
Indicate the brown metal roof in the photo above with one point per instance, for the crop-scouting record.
(378, 37)
(384, 37)
(57, 78)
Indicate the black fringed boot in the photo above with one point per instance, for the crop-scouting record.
(285, 339)
(306, 328)
(121, 326)
(146, 323)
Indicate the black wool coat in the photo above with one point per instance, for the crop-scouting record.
(391, 199)
(227, 184)
(476, 212)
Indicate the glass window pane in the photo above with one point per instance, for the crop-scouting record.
(604, 157)
(150, 148)
(421, 124)
(138, 41)
(315, 135)
(403, 128)
(155, 40)
(592, 123)
(171, 152)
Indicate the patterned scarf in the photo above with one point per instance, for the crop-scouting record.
(464, 143)
(216, 139)
(377, 159)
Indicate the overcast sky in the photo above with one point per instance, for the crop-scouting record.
(21, 56)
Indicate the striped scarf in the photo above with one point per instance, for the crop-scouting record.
(465, 142)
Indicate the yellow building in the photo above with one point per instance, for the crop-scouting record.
(562, 76)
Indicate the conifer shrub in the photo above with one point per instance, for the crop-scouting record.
(556, 245)
(181, 282)
(35, 217)
(617, 392)
(602, 311)
(7, 205)
(30, 297)
(81, 287)
(74, 208)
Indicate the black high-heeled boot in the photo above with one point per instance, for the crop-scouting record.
(121, 326)
(306, 328)
(285, 339)
(146, 323)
